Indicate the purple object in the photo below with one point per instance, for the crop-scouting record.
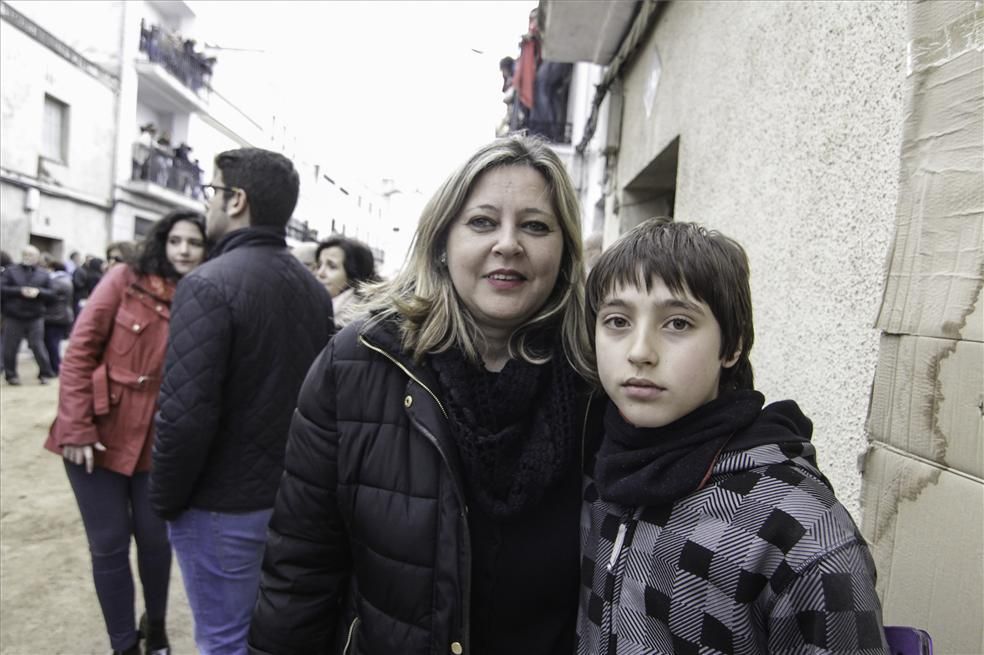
(906, 640)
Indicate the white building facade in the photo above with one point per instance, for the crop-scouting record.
(76, 169)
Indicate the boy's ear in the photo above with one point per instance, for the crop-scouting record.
(728, 362)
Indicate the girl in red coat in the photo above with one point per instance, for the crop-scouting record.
(109, 382)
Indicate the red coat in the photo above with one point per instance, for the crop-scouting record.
(111, 374)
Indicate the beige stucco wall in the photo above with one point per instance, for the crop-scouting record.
(789, 116)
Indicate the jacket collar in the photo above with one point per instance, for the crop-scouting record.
(258, 235)
(386, 336)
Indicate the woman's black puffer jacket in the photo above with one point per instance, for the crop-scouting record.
(371, 487)
(395, 469)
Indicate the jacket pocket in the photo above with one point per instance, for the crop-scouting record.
(100, 390)
(126, 330)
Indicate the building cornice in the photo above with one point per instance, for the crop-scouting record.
(30, 182)
(59, 47)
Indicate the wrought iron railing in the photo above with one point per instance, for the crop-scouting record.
(177, 56)
(301, 230)
(553, 132)
(169, 169)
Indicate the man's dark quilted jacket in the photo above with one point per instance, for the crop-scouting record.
(245, 328)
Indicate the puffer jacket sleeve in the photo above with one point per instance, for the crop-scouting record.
(830, 607)
(191, 393)
(307, 561)
(75, 423)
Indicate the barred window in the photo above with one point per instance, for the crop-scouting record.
(54, 135)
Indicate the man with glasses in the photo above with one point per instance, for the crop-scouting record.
(245, 328)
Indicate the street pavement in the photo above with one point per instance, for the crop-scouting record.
(47, 601)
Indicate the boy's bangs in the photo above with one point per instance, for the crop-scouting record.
(638, 262)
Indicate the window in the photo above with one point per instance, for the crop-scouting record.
(54, 135)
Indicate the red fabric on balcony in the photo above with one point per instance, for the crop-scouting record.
(524, 78)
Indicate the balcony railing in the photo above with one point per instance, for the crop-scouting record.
(552, 132)
(177, 56)
(169, 169)
(300, 230)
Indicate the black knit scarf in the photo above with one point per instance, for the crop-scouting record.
(657, 466)
(515, 429)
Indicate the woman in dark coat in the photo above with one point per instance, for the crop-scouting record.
(344, 267)
(430, 499)
(58, 314)
(110, 379)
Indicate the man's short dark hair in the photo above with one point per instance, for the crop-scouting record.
(687, 258)
(269, 179)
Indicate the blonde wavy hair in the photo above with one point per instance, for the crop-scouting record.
(421, 299)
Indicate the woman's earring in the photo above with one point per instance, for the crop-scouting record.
(443, 258)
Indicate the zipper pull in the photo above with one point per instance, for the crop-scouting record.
(617, 548)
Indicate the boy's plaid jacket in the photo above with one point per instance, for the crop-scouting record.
(763, 559)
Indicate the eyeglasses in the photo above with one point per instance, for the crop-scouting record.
(208, 190)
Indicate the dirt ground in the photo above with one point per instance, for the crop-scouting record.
(47, 599)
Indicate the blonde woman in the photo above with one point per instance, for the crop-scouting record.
(430, 497)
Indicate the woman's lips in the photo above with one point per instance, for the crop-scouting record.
(506, 279)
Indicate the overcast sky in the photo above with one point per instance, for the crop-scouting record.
(370, 89)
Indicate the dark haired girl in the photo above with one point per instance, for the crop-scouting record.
(110, 378)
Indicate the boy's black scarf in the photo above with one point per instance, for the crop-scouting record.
(657, 466)
(515, 429)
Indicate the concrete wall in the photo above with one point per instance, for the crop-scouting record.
(31, 70)
(789, 120)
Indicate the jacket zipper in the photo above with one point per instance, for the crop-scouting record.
(617, 547)
(459, 494)
(626, 525)
(404, 369)
(351, 631)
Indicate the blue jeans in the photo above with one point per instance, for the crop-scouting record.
(220, 556)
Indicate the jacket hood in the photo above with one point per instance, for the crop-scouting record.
(779, 422)
(780, 435)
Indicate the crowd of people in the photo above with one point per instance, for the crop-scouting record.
(155, 160)
(178, 55)
(490, 453)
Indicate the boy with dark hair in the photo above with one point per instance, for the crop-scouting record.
(707, 526)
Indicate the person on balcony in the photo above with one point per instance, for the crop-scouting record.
(524, 78)
(506, 67)
(143, 149)
(549, 113)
